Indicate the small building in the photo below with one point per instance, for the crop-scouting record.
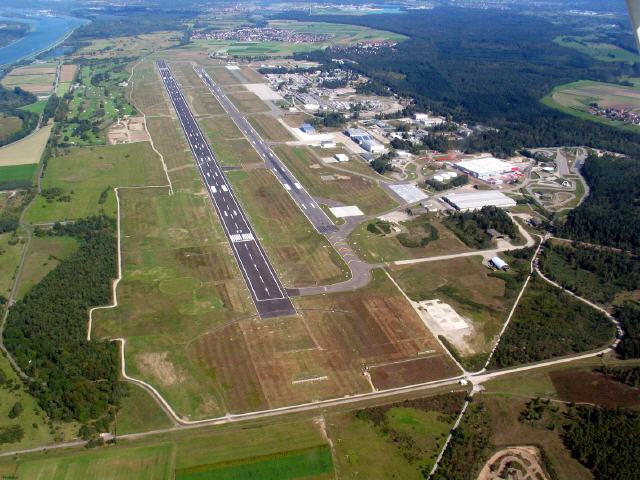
(498, 263)
(494, 233)
(341, 157)
(328, 144)
(308, 129)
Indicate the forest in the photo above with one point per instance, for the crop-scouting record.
(610, 215)
(629, 317)
(605, 441)
(549, 323)
(471, 227)
(484, 66)
(594, 273)
(72, 378)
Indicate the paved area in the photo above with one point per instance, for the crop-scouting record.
(298, 193)
(267, 292)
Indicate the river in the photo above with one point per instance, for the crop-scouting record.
(45, 31)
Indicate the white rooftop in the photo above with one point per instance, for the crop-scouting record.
(477, 199)
(341, 212)
(485, 166)
(409, 193)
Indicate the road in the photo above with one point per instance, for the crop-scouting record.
(267, 292)
(298, 193)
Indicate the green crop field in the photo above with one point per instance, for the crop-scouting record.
(16, 176)
(375, 247)
(83, 174)
(301, 255)
(344, 188)
(313, 462)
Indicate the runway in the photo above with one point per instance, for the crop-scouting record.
(298, 193)
(267, 292)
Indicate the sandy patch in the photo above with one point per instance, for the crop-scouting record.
(157, 366)
(526, 458)
(128, 130)
(443, 320)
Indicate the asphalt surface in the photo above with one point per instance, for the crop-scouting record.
(267, 292)
(298, 193)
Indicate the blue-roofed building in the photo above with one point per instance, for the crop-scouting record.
(308, 129)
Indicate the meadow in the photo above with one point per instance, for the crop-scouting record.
(27, 150)
(350, 190)
(83, 179)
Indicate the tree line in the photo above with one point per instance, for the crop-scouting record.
(471, 227)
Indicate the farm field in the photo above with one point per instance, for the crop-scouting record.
(17, 176)
(44, 254)
(301, 256)
(36, 78)
(9, 126)
(80, 182)
(381, 246)
(27, 150)
(343, 188)
(574, 99)
(185, 454)
(270, 128)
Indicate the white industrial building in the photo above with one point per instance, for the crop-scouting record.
(485, 168)
(427, 120)
(469, 201)
(372, 146)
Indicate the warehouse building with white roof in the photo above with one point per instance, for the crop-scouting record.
(469, 201)
(485, 168)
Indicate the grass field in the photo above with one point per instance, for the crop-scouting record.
(574, 99)
(270, 128)
(228, 143)
(17, 176)
(85, 173)
(9, 126)
(36, 107)
(9, 260)
(140, 413)
(26, 151)
(347, 189)
(180, 281)
(198, 96)
(44, 254)
(600, 50)
(247, 102)
(146, 90)
(301, 255)
(377, 247)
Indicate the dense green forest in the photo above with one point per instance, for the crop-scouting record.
(470, 445)
(10, 103)
(627, 375)
(484, 66)
(594, 273)
(605, 441)
(471, 227)
(73, 379)
(611, 213)
(629, 317)
(550, 323)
